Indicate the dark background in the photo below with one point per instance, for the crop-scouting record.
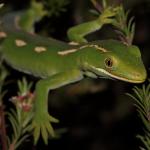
(97, 114)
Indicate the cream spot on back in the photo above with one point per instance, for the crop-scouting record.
(67, 51)
(95, 46)
(20, 43)
(100, 48)
(73, 43)
(40, 49)
(3, 35)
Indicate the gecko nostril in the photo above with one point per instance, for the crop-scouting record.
(139, 76)
(136, 75)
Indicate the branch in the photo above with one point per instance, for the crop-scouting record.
(3, 134)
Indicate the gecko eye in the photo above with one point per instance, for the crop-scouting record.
(108, 62)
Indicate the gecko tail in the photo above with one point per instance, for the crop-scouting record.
(8, 23)
(10, 20)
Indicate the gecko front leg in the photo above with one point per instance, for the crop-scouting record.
(77, 33)
(42, 120)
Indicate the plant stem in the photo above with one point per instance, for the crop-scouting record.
(12, 146)
(3, 134)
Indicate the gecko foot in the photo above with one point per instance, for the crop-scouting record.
(42, 125)
(107, 15)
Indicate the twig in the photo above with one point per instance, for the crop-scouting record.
(12, 146)
(3, 134)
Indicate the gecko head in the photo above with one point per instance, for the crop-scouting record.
(118, 61)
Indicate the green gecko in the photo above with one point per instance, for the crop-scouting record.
(57, 63)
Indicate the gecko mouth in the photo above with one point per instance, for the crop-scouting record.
(133, 80)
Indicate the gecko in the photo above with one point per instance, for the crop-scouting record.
(58, 63)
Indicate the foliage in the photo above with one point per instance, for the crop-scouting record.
(3, 75)
(33, 14)
(125, 27)
(55, 7)
(3, 137)
(141, 98)
(21, 116)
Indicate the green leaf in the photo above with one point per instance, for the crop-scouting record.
(21, 140)
(142, 102)
(14, 125)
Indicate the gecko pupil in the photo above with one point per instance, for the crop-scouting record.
(108, 62)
